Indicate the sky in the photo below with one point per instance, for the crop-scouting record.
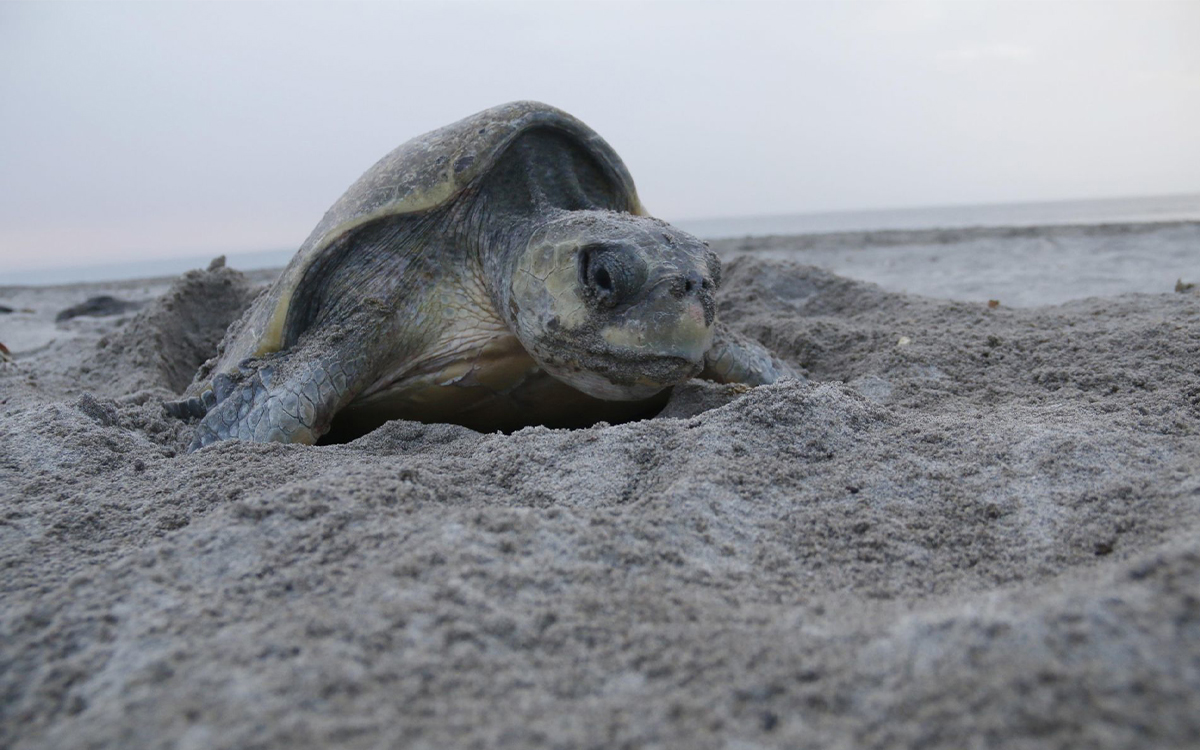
(148, 130)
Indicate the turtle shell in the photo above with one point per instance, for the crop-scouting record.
(423, 174)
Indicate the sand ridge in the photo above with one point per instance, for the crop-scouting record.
(973, 526)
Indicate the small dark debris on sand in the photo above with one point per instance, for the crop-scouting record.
(98, 307)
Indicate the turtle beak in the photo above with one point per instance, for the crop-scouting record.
(675, 320)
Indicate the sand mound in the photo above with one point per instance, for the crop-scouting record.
(163, 345)
(974, 526)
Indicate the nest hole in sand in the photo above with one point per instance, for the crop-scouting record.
(680, 402)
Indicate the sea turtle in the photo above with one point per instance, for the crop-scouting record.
(496, 272)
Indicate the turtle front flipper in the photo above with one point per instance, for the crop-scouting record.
(737, 359)
(289, 397)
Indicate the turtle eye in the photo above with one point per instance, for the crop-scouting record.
(608, 274)
(602, 279)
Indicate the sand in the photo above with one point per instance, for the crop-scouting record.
(1019, 266)
(972, 527)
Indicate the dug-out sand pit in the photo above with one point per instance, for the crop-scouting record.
(971, 527)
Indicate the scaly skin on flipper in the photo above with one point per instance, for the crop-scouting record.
(291, 397)
(497, 272)
(270, 407)
(737, 359)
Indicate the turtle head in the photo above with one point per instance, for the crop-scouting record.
(616, 305)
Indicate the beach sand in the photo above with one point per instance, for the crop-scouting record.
(974, 526)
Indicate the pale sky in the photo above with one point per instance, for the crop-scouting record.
(134, 131)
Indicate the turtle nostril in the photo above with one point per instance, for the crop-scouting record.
(693, 281)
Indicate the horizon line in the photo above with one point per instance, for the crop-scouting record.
(69, 273)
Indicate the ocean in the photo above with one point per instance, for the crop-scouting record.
(1099, 211)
